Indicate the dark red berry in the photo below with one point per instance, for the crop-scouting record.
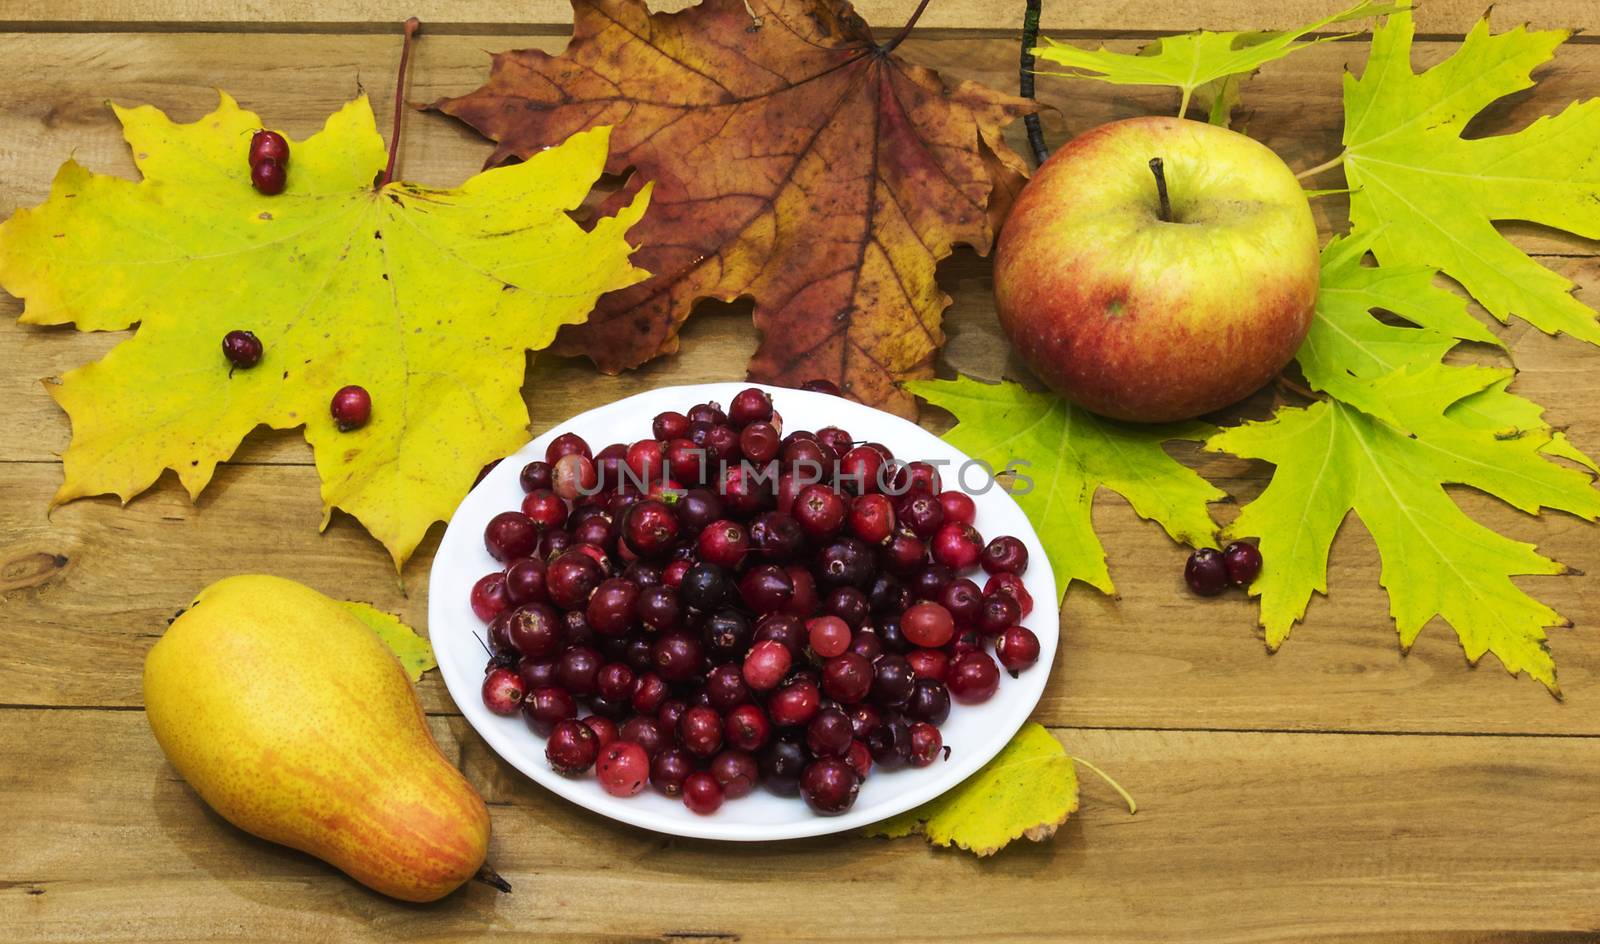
(1206, 573)
(702, 794)
(623, 768)
(736, 772)
(535, 475)
(751, 405)
(268, 177)
(973, 677)
(829, 785)
(669, 769)
(572, 747)
(1005, 554)
(242, 349)
(351, 407)
(926, 744)
(489, 597)
(957, 546)
(1243, 562)
(1017, 648)
(268, 145)
(510, 535)
(564, 445)
(502, 692)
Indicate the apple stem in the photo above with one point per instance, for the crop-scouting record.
(1030, 38)
(492, 879)
(1158, 167)
(411, 27)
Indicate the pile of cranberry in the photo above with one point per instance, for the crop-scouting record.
(736, 606)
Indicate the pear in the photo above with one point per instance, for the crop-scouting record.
(295, 723)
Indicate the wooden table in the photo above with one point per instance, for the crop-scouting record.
(1337, 791)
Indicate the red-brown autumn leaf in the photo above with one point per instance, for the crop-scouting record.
(795, 160)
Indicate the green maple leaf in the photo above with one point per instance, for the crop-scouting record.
(1067, 454)
(1402, 427)
(1430, 197)
(414, 652)
(428, 298)
(1207, 63)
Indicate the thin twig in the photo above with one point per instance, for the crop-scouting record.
(1290, 385)
(1325, 165)
(905, 30)
(492, 879)
(1030, 39)
(411, 27)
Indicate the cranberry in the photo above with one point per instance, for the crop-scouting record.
(727, 635)
(766, 589)
(700, 731)
(269, 177)
(647, 461)
(776, 537)
(847, 561)
(1017, 648)
(736, 772)
(904, 555)
(525, 580)
(571, 577)
(669, 769)
(928, 663)
(545, 509)
(929, 701)
(489, 596)
(242, 349)
(804, 601)
(724, 543)
(871, 518)
(647, 733)
(502, 692)
(623, 768)
(829, 785)
(916, 477)
(615, 681)
(611, 609)
(892, 681)
(1004, 555)
(573, 476)
(766, 665)
(781, 764)
(670, 424)
(1011, 585)
(648, 693)
(678, 656)
(859, 757)
(860, 470)
(998, 612)
(1206, 573)
(928, 624)
(1243, 562)
(510, 535)
(829, 733)
(867, 645)
(746, 727)
(794, 704)
(923, 514)
(759, 442)
(536, 673)
(835, 441)
(829, 636)
(267, 145)
(708, 412)
(542, 708)
(957, 546)
(973, 677)
(566, 444)
(847, 678)
(704, 586)
(929, 583)
(534, 476)
(572, 747)
(351, 407)
(959, 508)
(702, 794)
(926, 743)
(890, 743)
(820, 512)
(535, 630)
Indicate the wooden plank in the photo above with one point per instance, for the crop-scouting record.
(1239, 838)
(75, 632)
(1059, 17)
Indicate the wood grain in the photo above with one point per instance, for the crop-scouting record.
(1337, 791)
(1058, 17)
(1239, 838)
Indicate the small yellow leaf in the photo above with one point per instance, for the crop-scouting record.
(414, 652)
(1028, 789)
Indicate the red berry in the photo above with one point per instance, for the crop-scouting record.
(1205, 572)
(351, 407)
(927, 624)
(929, 663)
(794, 704)
(751, 405)
(957, 546)
(489, 597)
(736, 772)
(829, 785)
(502, 692)
(871, 518)
(268, 145)
(746, 728)
(1011, 585)
(926, 743)
(724, 543)
(269, 177)
(669, 425)
(545, 509)
(573, 476)
(1243, 562)
(766, 664)
(572, 747)
(242, 349)
(958, 507)
(510, 535)
(700, 731)
(605, 730)
(829, 636)
(1005, 555)
(544, 708)
(861, 470)
(702, 794)
(1017, 648)
(566, 444)
(623, 768)
(973, 677)
(847, 678)
(668, 771)
(917, 477)
(820, 511)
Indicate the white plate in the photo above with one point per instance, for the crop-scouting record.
(974, 733)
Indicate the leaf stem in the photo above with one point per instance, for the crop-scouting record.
(1329, 164)
(1030, 39)
(905, 30)
(1127, 797)
(1183, 103)
(411, 27)
(1158, 167)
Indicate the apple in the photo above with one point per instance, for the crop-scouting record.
(1155, 269)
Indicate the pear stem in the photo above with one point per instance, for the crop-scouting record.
(492, 879)
(411, 27)
(1158, 167)
(1126, 796)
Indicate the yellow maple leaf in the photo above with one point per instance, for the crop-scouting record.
(428, 298)
(1028, 789)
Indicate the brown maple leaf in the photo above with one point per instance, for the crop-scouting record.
(795, 160)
